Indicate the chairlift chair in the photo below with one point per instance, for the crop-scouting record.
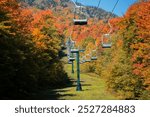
(82, 50)
(63, 47)
(68, 51)
(107, 37)
(72, 44)
(69, 62)
(83, 59)
(94, 58)
(74, 50)
(88, 58)
(81, 62)
(106, 44)
(93, 53)
(71, 57)
(81, 20)
(68, 44)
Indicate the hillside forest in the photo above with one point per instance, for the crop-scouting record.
(33, 56)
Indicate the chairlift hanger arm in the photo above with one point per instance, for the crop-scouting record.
(110, 27)
(82, 20)
(96, 10)
(111, 13)
(77, 6)
(108, 45)
(74, 3)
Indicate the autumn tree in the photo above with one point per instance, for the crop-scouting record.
(28, 52)
(127, 71)
(136, 39)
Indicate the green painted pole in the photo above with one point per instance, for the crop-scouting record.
(72, 67)
(79, 88)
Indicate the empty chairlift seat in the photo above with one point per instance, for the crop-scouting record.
(72, 44)
(80, 21)
(106, 45)
(74, 50)
(106, 41)
(94, 55)
(69, 62)
(88, 58)
(83, 60)
(71, 59)
(94, 58)
(80, 16)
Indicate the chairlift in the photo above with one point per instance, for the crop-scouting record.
(88, 58)
(107, 44)
(106, 39)
(69, 62)
(94, 56)
(106, 19)
(83, 60)
(81, 20)
(68, 43)
(63, 47)
(74, 50)
(71, 58)
(82, 50)
(68, 51)
(72, 44)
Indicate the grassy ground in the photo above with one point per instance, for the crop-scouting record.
(93, 88)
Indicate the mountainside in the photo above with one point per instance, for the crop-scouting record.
(91, 11)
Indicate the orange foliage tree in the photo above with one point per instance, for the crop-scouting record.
(134, 31)
(139, 15)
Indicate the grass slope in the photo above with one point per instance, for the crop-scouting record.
(93, 88)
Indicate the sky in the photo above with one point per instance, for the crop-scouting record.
(108, 5)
